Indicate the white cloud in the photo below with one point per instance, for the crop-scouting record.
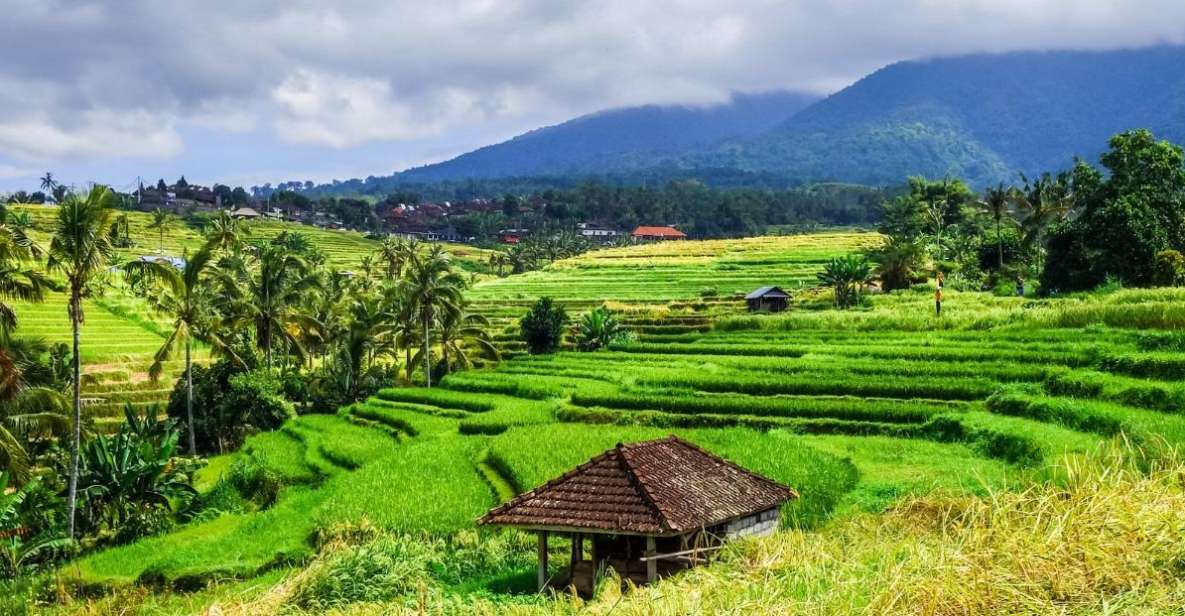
(342, 111)
(99, 133)
(92, 80)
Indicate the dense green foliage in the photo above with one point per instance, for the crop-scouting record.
(543, 326)
(1123, 221)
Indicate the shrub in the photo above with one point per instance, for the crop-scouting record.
(229, 404)
(1168, 269)
(543, 327)
(599, 329)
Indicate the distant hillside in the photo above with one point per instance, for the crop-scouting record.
(618, 139)
(982, 117)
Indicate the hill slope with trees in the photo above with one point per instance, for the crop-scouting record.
(620, 138)
(984, 118)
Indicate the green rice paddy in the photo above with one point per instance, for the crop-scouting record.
(856, 410)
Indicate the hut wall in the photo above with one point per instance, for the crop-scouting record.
(756, 525)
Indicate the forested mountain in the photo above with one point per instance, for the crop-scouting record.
(983, 117)
(980, 117)
(618, 139)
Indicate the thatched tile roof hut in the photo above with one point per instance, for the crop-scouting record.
(666, 491)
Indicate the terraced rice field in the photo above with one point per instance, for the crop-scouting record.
(116, 353)
(343, 249)
(665, 288)
(855, 417)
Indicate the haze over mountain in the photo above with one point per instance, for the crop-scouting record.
(619, 139)
(980, 117)
(983, 117)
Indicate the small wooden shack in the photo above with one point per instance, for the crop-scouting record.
(768, 299)
(646, 509)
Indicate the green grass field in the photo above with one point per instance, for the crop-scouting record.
(857, 410)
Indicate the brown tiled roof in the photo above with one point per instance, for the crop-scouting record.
(665, 486)
(658, 232)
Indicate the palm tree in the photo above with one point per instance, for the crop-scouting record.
(28, 404)
(401, 323)
(433, 290)
(186, 296)
(1042, 202)
(226, 233)
(393, 252)
(499, 260)
(460, 332)
(270, 297)
(161, 220)
(995, 202)
(79, 250)
(47, 182)
(362, 339)
(16, 280)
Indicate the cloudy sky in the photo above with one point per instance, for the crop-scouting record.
(246, 92)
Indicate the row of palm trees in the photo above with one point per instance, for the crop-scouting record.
(277, 295)
(537, 251)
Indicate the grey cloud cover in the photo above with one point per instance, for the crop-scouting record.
(105, 90)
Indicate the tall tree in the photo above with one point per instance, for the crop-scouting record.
(271, 297)
(161, 221)
(29, 404)
(433, 289)
(47, 182)
(226, 233)
(79, 250)
(18, 279)
(185, 295)
(995, 202)
(461, 335)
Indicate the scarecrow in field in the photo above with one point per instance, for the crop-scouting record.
(1020, 287)
(938, 299)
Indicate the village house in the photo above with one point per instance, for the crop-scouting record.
(657, 234)
(646, 509)
(768, 299)
(596, 233)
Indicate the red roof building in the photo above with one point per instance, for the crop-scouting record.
(658, 233)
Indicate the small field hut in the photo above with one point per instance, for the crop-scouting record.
(768, 299)
(645, 509)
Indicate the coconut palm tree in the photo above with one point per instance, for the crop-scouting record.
(80, 249)
(161, 221)
(433, 290)
(995, 202)
(1042, 202)
(185, 295)
(394, 253)
(460, 335)
(17, 280)
(226, 233)
(270, 296)
(499, 260)
(47, 182)
(28, 403)
(363, 339)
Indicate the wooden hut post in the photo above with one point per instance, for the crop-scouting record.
(542, 560)
(577, 548)
(651, 563)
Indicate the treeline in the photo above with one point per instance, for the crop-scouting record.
(1121, 224)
